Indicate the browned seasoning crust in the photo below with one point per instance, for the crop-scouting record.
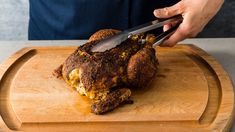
(130, 64)
(102, 70)
(102, 34)
(58, 72)
(140, 67)
(112, 100)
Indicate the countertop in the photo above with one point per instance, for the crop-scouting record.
(222, 49)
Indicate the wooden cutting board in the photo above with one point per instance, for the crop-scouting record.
(191, 91)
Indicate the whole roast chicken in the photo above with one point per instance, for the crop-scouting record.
(108, 77)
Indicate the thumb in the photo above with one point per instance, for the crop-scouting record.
(169, 11)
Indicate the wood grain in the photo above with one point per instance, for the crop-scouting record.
(191, 91)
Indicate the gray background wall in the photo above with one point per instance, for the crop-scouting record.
(14, 21)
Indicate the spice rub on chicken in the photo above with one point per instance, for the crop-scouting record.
(108, 77)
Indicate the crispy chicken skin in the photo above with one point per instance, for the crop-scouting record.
(112, 100)
(102, 76)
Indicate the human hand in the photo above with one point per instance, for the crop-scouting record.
(196, 14)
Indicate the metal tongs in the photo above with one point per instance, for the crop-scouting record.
(117, 39)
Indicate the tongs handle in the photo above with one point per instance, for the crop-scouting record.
(153, 25)
(117, 39)
(163, 36)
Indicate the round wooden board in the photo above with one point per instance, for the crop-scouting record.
(191, 91)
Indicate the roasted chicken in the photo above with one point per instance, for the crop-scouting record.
(108, 77)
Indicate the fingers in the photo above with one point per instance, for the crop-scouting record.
(196, 14)
(173, 39)
(169, 11)
(183, 31)
(167, 27)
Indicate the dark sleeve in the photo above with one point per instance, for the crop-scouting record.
(78, 19)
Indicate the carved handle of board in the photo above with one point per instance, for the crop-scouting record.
(9, 68)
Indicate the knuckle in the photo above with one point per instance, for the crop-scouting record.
(187, 30)
(166, 11)
(194, 31)
(181, 6)
(188, 27)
